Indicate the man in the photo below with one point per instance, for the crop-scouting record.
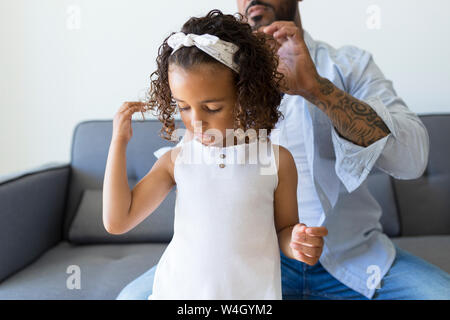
(342, 118)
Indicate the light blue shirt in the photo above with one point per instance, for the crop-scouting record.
(356, 247)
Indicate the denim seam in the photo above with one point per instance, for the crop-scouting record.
(325, 295)
(305, 288)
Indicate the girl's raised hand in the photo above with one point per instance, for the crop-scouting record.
(122, 129)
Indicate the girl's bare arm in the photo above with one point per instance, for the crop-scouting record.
(152, 189)
(286, 206)
(124, 209)
(297, 241)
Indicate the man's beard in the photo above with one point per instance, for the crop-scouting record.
(285, 12)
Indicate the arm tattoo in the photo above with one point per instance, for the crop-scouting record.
(353, 119)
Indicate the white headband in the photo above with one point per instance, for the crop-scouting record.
(220, 50)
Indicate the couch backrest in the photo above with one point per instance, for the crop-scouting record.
(413, 207)
(419, 206)
(424, 203)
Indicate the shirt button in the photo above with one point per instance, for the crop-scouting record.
(222, 165)
(222, 156)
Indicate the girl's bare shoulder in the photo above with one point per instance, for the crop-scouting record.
(283, 159)
(168, 160)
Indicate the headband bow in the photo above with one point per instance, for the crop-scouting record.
(220, 50)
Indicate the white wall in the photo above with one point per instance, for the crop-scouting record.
(58, 68)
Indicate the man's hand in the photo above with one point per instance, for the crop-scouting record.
(295, 62)
(353, 119)
(307, 243)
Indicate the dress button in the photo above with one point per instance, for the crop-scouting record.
(222, 165)
(222, 156)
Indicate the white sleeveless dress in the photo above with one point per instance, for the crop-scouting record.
(225, 245)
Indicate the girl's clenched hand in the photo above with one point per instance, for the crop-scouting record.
(307, 243)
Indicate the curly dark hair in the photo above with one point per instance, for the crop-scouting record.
(258, 82)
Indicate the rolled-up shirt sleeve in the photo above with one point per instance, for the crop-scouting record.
(403, 153)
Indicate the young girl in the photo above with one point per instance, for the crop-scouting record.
(232, 214)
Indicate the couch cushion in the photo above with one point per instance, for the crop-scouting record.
(433, 249)
(104, 271)
(87, 226)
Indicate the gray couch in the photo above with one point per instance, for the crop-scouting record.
(51, 216)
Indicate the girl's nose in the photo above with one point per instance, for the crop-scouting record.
(197, 120)
(198, 126)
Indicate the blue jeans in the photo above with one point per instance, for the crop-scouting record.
(409, 278)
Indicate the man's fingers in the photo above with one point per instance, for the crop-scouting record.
(285, 32)
(275, 26)
(260, 29)
(281, 30)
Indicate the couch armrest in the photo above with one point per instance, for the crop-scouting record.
(32, 206)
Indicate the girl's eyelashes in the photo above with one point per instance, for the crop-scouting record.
(213, 111)
(207, 109)
(183, 109)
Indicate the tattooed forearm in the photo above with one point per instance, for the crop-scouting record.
(353, 119)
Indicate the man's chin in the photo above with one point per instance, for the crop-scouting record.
(266, 18)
